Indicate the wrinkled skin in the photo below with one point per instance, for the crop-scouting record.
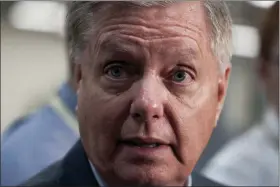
(149, 72)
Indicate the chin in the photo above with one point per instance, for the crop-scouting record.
(146, 175)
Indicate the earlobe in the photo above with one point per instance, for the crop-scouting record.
(77, 75)
(78, 80)
(222, 90)
(221, 97)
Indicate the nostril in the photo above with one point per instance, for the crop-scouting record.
(136, 115)
(155, 117)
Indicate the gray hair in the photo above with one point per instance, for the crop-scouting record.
(80, 22)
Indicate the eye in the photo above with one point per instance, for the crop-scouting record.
(181, 76)
(115, 71)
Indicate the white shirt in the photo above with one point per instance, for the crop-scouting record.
(251, 159)
(101, 182)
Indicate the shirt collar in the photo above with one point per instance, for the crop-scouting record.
(101, 182)
(68, 96)
(97, 176)
(190, 181)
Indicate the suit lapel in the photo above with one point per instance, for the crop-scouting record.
(199, 180)
(76, 168)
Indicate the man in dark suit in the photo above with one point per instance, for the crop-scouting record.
(151, 82)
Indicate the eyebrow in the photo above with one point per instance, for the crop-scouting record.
(191, 54)
(185, 53)
(119, 45)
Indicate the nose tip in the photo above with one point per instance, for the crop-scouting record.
(148, 101)
(142, 110)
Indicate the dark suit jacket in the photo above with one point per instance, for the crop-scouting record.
(74, 170)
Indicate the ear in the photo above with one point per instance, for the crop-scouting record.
(77, 76)
(222, 89)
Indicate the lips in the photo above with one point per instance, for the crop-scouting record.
(140, 142)
(134, 144)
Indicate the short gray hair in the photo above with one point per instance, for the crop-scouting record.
(80, 21)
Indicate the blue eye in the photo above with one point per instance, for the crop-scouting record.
(115, 72)
(179, 76)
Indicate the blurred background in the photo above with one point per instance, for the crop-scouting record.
(34, 64)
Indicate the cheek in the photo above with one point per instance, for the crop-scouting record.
(100, 122)
(195, 126)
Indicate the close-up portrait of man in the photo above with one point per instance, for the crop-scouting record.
(151, 80)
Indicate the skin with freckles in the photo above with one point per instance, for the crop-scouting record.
(149, 73)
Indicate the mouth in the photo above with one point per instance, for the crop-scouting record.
(143, 142)
(141, 150)
(140, 145)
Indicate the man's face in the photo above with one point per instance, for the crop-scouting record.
(150, 93)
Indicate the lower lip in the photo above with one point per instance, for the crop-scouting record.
(144, 151)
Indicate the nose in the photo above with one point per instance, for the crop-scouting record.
(148, 103)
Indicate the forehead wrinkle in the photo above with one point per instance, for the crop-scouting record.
(132, 20)
(134, 45)
(133, 24)
(157, 17)
(141, 33)
(115, 43)
(148, 42)
(129, 25)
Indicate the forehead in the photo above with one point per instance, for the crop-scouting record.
(173, 18)
(121, 26)
(167, 9)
